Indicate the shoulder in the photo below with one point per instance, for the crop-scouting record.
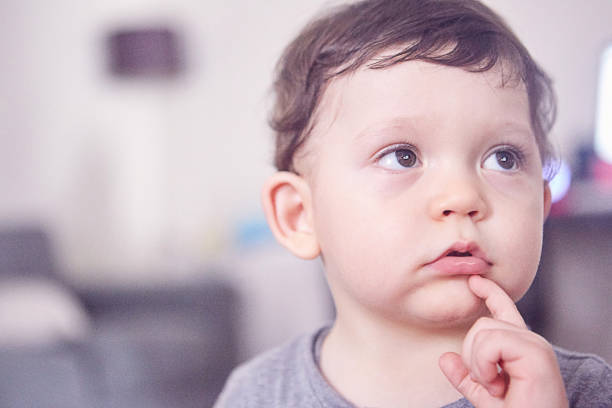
(588, 379)
(279, 377)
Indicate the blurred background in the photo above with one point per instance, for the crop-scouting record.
(136, 268)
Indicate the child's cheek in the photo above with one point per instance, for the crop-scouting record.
(391, 185)
(517, 219)
(518, 186)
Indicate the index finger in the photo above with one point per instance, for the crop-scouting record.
(502, 307)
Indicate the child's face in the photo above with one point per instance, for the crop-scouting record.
(409, 162)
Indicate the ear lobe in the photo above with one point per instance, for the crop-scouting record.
(547, 199)
(287, 204)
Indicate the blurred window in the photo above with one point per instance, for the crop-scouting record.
(603, 124)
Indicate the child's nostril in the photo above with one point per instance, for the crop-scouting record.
(446, 212)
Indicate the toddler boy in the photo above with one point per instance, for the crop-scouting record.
(411, 143)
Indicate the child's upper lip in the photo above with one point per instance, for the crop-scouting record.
(464, 247)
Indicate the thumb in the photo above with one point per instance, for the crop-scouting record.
(458, 375)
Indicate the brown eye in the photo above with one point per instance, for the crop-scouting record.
(398, 158)
(505, 159)
(406, 157)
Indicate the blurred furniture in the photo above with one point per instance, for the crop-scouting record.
(576, 265)
(163, 347)
(570, 302)
(43, 376)
(156, 347)
(25, 252)
(36, 306)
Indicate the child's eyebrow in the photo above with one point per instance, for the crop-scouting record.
(397, 124)
(405, 124)
(511, 127)
(407, 127)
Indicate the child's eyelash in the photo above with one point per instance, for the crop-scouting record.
(516, 150)
(395, 148)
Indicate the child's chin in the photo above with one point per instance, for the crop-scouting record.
(455, 306)
(458, 316)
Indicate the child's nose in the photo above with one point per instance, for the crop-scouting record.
(459, 199)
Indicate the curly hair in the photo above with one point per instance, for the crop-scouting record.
(456, 33)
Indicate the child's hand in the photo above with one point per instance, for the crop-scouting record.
(529, 375)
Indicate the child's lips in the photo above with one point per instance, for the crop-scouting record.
(465, 265)
(462, 259)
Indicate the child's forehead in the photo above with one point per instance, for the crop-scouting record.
(426, 82)
(504, 74)
(421, 96)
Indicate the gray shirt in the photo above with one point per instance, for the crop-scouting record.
(289, 376)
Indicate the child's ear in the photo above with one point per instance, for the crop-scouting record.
(547, 199)
(287, 203)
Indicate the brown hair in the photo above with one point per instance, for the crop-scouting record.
(457, 33)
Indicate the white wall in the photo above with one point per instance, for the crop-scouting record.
(133, 177)
(145, 180)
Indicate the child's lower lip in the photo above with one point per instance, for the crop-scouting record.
(460, 265)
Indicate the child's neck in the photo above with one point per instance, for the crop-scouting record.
(382, 364)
